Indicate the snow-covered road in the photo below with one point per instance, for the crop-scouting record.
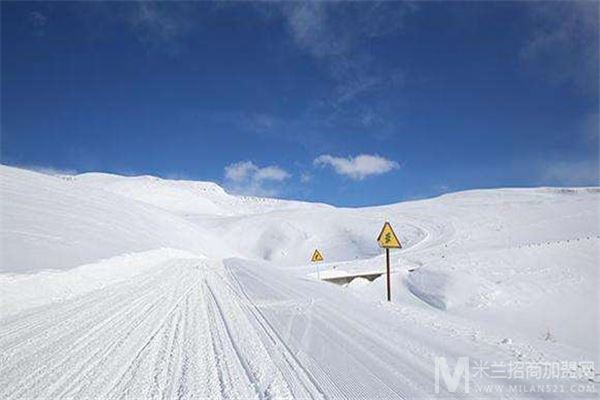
(194, 327)
(174, 332)
(207, 329)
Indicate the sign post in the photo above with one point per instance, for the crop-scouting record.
(387, 239)
(316, 258)
(387, 274)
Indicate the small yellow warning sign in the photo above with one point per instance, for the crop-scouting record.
(387, 238)
(316, 256)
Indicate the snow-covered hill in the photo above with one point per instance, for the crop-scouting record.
(184, 197)
(499, 275)
(48, 222)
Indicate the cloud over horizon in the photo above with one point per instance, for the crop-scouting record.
(358, 167)
(245, 177)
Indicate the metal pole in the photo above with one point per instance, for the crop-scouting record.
(387, 262)
(318, 273)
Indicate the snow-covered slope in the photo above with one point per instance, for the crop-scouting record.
(50, 223)
(288, 237)
(184, 197)
(190, 291)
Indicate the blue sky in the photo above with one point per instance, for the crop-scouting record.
(347, 103)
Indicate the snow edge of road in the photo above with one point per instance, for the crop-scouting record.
(19, 292)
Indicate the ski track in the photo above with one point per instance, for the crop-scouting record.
(199, 328)
(186, 329)
(325, 329)
(189, 328)
(165, 335)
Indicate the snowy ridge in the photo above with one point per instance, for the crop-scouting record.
(182, 196)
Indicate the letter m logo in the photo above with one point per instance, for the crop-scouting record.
(451, 380)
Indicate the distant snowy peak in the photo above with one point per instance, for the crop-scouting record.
(184, 196)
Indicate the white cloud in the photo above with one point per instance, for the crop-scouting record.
(247, 170)
(358, 167)
(245, 177)
(239, 171)
(271, 173)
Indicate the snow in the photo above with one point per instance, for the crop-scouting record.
(141, 287)
(22, 291)
(53, 223)
(183, 196)
(444, 289)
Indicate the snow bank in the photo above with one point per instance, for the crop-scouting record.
(290, 237)
(21, 291)
(359, 282)
(445, 290)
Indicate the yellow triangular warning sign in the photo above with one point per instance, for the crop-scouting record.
(387, 238)
(316, 256)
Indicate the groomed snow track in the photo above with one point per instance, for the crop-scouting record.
(196, 328)
(177, 332)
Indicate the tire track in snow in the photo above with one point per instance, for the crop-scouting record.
(232, 366)
(343, 346)
(177, 332)
(302, 383)
(154, 347)
(29, 322)
(244, 342)
(82, 352)
(73, 335)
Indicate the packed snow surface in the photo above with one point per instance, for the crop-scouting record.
(143, 287)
